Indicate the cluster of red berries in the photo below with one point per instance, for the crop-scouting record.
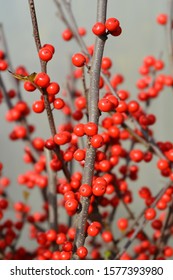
(116, 165)
(112, 26)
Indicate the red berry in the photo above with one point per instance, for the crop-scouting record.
(67, 246)
(58, 103)
(106, 63)
(133, 106)
(99, 29)
(112, 24)
(92, 230)
(45, 54)
(81, 31)
(3, 65)
(98, 189)
(38, 106)
(67, 35)
(53, 88)
(122, 224)
(49, 47)
(162, 164)
(51, 235)
(150, 214)
(82, 252)
(79, 155)
(79, 130)
(28, 86)
(42, 80)
(105, 105)
(169, 154)
(85, 190)
(136, 155)
(90, 129)
(62, 138)
(71, 204)
(61, 238)
(162, 19)
(107, 236)
(97, 141)
(168, 251)
(78, 60)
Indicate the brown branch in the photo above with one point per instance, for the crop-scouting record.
(93, 98)
(45, 96)
(52, 195)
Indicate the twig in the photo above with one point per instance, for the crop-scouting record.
(93, 98)
(51, 175)
(45, 96)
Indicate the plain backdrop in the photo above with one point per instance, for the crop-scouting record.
(141, 36)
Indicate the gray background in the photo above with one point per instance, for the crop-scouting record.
(141, 36)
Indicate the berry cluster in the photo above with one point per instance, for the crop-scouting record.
(110, 148)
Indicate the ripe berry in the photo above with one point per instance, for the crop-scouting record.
(81, 31)
(62, 138)
(79, 155)
(51, 235)
(133, 106)
(67, 246)
(53, 88)
(82, 252)
(38, 106)
(106, 63)
(90, 129)
(58, 103)
(122, 107)
(97, 141)
(79, 130)
(98, 189)
(136, 155)
(45, 54)
(168, 251)
(169, 154)
(38, 143)
(162, 164)
(42, 79)
(28, 86)
(105, 105)
(122, 224)
(107, 236)
(162, 19)
(67, 35)
(3, 65)
(49, 47)
(78, 60)
(150, 214)
(112, 24)
(99, 29)
(85, 190)
(61, 238)
(92, 230)
(80, 102)
(71, 204)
